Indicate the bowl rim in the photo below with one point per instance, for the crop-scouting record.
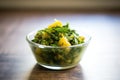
(44, 46)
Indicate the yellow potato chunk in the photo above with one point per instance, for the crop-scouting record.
(64, 42)
(81, 38)
(55, 24)
(38, 51)
(45, 35)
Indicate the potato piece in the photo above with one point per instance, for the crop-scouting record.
(64, 42)
(38, 51)
(45, 35)
(81, 39)
(67, 50)
(55, 24)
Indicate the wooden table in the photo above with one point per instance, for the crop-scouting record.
(100, 62)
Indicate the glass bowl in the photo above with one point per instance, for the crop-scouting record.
(57, 58)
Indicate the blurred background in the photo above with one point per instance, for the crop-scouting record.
(60, 4)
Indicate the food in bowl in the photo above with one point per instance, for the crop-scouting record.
(57, 46)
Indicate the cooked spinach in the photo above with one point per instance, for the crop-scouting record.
(62, 36)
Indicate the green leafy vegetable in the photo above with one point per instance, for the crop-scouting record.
(57, 35)
(52, 36)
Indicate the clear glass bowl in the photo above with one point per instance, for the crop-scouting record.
(57, 58)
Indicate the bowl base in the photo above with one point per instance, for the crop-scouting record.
(56, 67)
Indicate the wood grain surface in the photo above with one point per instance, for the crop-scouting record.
(101, 60)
